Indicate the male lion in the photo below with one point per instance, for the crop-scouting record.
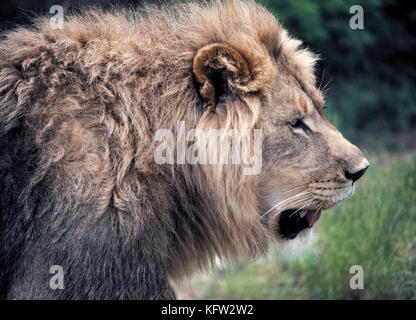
(79, 184)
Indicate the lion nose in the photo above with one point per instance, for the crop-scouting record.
(357, 174)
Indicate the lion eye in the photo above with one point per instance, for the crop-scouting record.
(299, 124)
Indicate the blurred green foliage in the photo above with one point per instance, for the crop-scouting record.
(371, 72)
(376, 229)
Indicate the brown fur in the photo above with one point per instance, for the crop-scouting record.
(85, 103)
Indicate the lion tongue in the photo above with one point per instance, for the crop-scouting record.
(312, 216)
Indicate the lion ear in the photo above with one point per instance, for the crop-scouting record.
(220, 69)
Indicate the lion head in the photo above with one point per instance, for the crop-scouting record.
(265, 80)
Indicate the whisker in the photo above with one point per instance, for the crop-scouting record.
(301, 186)
(280, 206)
(300, 201)
(324, 89)
(321, 205)
(302, 194)
(299, 195)
(306, 204)
(295, 203)
(322, 79)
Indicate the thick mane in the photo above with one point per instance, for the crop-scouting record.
(79, 108)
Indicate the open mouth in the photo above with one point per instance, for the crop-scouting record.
(293, 221)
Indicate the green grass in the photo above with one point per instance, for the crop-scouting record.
(376, 229)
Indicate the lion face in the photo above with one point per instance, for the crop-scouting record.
(308, 166)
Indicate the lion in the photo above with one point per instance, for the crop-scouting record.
(80, 187)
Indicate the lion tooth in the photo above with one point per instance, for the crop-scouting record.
(303, 213)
